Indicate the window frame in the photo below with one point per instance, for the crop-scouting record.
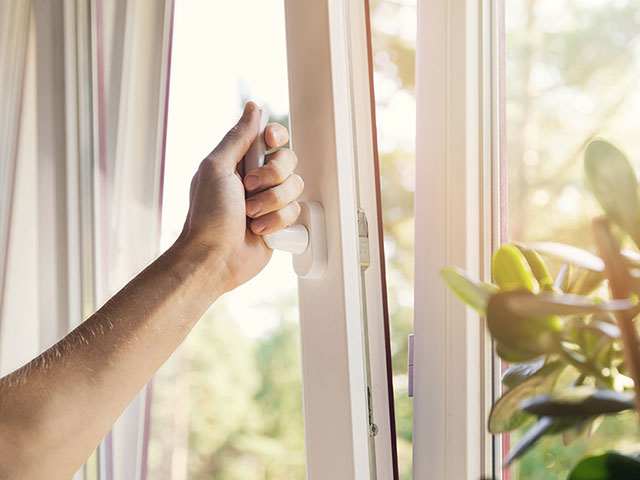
(459, 193)
(331, 118)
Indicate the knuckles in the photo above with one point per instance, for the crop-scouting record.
(284, 217)
(276, 135)
(296, 211)
(299, 181)
(274, 197)
(238, 133)
(281, 165)
(275, 173)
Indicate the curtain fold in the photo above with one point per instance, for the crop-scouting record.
(133, 59)
(14, 28)
(91, 178)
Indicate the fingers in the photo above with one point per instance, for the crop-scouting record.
(279, 167)
(275, 198)
(275, 135)
(238, 140)
(275, 221)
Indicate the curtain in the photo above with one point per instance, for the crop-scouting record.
(83, 180)
(14, 22)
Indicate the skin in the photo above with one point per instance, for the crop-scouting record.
(55, 410)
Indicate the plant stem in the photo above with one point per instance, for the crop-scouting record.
(620, 283)
(585, 368)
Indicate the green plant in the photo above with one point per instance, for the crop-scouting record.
(570, 338)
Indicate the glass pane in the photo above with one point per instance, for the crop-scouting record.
(571, 72)
(393, 32)
(228, 403)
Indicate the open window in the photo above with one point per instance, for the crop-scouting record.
(116, 107)
(343, 335)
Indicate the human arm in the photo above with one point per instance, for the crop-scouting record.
(55, 409)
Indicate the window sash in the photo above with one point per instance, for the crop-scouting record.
(331, 131)
(458, 201)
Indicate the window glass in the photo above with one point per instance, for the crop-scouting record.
(572, 68)
(228, 403)
(394, 40)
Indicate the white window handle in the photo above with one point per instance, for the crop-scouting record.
(306, 240)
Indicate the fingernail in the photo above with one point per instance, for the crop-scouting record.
(253, 182)
(253, 207)
(258, 226)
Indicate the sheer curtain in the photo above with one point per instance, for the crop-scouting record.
(14, 22)
(80, 215)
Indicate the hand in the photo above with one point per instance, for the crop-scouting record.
(217, 218)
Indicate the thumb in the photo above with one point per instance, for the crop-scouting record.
(238, 140)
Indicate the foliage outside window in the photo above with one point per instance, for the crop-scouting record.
(572, 68)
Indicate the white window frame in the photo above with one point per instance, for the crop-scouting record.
(457, 224)
(332, 134)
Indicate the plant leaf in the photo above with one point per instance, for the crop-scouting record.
(563, 278)
(510, 269)
(474, 294)
(542, 427)
(586, 282)
(519, 372)
(568, 253)
(506, 414)
(608, 466)
(611, 178)
(583, 401)
(594, 336)
(602, 328)
(538, 267)
(526, 303)
(632, 257)
(526, 334)
(582, 428)
(510, 355)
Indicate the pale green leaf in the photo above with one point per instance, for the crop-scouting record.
(511, 270)
(611, 178)
(474, 294)
(506, 414)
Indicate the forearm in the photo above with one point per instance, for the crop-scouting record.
(55, 409)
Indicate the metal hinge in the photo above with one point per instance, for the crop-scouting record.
(363, 240)
(373, 428)
(410, 367)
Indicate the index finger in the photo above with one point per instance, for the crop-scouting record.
(275, 135)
